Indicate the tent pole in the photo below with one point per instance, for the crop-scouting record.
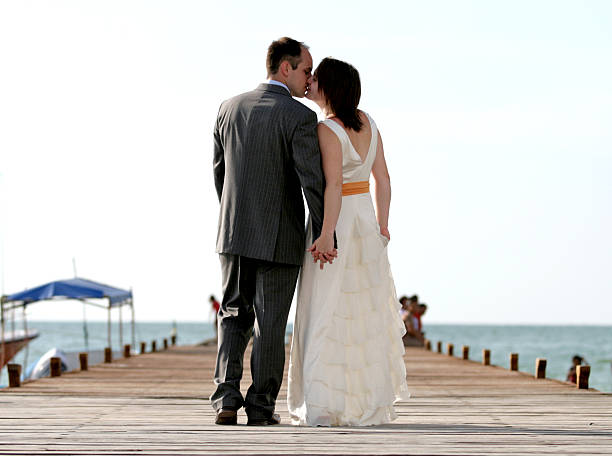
(121, 327)
(2, 330)
(133, 324)
(108, 325)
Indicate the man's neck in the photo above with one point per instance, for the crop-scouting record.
(278, 83)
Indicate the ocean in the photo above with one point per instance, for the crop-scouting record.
(558, 344)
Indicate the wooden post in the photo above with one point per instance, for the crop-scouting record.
(83, 359)
(428, 344)
(143, 347)
(465, 352)
(56, 366)
(439, 347)
(108, 355)
(513, 361)
(14, 375)
(153, 347)
(486, 357)
(449, 349)
(540, 368)
(582, 377)
(173, 339)
(126, 350)
(165, 344)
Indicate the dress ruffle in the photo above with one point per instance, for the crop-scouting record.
(357, 372)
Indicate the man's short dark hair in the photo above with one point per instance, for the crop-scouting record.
(414, 298)
(284, 48)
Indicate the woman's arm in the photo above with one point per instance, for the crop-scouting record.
(382, 190)
(331, 155)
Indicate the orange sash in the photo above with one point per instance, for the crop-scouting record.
(355, 188)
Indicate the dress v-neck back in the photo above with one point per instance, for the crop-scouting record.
(354, 168)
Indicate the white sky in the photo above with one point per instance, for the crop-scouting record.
(496, 118)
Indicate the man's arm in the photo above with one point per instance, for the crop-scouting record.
(218, 159)
(307, 159)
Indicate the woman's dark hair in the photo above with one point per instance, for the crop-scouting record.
(341, 87)
(284, 48)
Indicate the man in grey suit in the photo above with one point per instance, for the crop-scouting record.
(266, 153)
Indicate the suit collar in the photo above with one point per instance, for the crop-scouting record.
(265, 87)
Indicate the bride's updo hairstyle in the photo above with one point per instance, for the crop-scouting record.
(340, 85)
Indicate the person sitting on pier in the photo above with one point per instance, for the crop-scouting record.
(577, 360)
(404, 302)
(422, 310)
(411, 320)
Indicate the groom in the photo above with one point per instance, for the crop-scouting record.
(266, 153)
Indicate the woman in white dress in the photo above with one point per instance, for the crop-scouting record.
(346, 365)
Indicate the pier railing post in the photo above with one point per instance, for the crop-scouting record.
(14, 375)
(540, 368)
(83, 360)
(165, 344)
(465, 352)
(486, 357)
(582, 377)
(143, 347)
(108, 355)
(449, 349)
(514, 361)
(153, 346)
(55, 364)
(439, 346)
(427, 344)
(126, 350)
(173, 339)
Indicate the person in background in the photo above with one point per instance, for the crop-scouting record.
(422, 310)
(411, 321)
(577, 360)
(404, 302)
(215, 306)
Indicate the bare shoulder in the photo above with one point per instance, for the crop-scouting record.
(327, 135)
(366, 118)
(363, 116)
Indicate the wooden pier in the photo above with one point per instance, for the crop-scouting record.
(157, 404)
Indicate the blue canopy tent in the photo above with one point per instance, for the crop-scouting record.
(79, 289)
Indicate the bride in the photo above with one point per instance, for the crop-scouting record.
(346, 365)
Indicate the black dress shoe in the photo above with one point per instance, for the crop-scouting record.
(274, 419)
(226, 416)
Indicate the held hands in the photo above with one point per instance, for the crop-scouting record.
(323, 250)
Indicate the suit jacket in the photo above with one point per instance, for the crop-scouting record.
(266, 153)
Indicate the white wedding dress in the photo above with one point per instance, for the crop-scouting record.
(346, 365)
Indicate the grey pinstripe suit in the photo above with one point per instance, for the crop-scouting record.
(266, 153)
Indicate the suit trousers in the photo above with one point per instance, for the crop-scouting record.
(257, 297)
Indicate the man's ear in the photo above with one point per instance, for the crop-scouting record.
(284, 68)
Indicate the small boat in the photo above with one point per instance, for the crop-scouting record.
(42, 367)
(13, 342)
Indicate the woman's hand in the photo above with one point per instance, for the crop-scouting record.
(385, 232)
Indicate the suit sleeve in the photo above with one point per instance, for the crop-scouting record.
(218, 158)
(307, 159)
